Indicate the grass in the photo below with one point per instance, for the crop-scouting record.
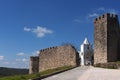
(41, 74)
(110, 65)
(118, 62)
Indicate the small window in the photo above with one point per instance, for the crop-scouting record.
(88, 47)
(103, 16)
(82, 53)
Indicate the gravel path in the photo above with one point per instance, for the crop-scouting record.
(87, 73)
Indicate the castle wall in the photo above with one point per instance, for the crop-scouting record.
(106, 39)
(34, 65)
(55, 57)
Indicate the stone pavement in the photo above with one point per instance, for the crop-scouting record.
(69, 75)
(87, 73)
(100, 74)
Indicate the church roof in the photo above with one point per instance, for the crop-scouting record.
(86, 41)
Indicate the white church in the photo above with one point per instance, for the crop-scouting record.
(86, 53)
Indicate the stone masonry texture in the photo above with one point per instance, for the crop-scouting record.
(54, 57)
(106, 38)
(34, 64)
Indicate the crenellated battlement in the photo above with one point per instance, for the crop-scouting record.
(50, 48)
(106, 38)
(106, 16)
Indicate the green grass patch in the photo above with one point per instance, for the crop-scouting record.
(41, 74)
(51, 71)
(110, 65)
(118, 62)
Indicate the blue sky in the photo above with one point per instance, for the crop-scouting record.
(27, 26)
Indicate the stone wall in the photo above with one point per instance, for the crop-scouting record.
(119, 48)
(34, 65)
(55, 57)
(112, 37)
(106, 37)
(111, 65)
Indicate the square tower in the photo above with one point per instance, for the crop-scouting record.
(34, 64)
(106, 38)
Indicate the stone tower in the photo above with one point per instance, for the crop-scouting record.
(34, 65)
(106, 38)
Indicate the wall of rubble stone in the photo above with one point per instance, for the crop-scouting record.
(34, 64)
(55, 57)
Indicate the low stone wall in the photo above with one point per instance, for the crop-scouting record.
(110, 65)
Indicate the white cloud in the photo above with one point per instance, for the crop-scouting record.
(96, 13)
(6, 63)
(39, 31)
(20, 54)
(113, 11)
(93, 15)
(35, 53)
(101, 9)
(27, 29)
(107, 10)
(1, 57)
(22, 60)
(78, 20)
(18, 60)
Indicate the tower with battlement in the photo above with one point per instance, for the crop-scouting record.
(106, 38)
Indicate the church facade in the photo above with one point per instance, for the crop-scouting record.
(86, 53)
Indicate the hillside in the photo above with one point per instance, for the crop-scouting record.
(38, 75)
(12, 71)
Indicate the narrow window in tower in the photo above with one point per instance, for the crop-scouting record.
(103, 16)
(81, 53)
(88, 47)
